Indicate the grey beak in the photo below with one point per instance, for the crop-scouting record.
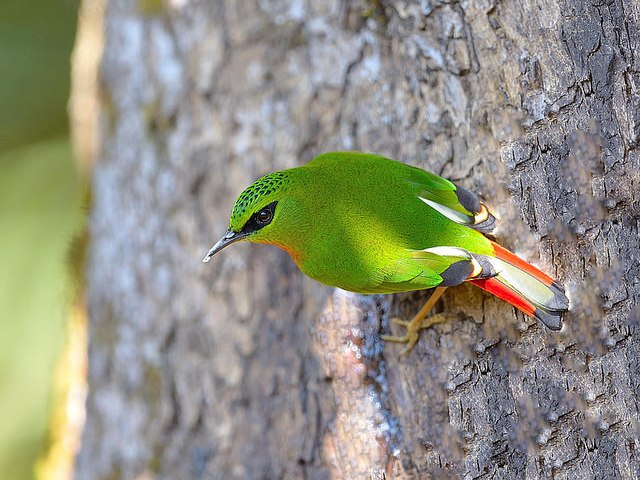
(229, 238)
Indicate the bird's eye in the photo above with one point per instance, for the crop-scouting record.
(264, 216)
(260, 219)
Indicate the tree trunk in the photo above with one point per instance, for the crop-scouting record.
(244, 368)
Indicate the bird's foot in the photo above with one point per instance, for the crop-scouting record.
(410, 338)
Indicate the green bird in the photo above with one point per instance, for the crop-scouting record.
(368, 224)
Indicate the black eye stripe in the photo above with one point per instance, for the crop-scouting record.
(260, 219)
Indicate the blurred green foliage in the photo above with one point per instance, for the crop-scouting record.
(39, 213)
(36, 39)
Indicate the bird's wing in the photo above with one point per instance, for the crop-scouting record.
(454, 202)
(432, 267)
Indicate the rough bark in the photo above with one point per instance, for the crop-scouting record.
(244, 368)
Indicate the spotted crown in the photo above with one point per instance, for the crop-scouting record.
(261, 188)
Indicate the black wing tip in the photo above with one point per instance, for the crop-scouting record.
(456, 273)
(487, 225)
(468, 199)
(472, 203)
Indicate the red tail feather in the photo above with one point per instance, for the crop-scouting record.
(500, 290)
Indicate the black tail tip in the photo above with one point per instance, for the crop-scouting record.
(552, 313)
(551, 319)
(560, 300)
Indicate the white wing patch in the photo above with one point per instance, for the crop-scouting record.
(450, 213)
(448, 252)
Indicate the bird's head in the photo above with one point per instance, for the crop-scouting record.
(258, 212)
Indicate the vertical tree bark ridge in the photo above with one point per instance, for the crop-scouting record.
(245, 369)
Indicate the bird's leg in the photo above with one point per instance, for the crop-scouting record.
(418, 322)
